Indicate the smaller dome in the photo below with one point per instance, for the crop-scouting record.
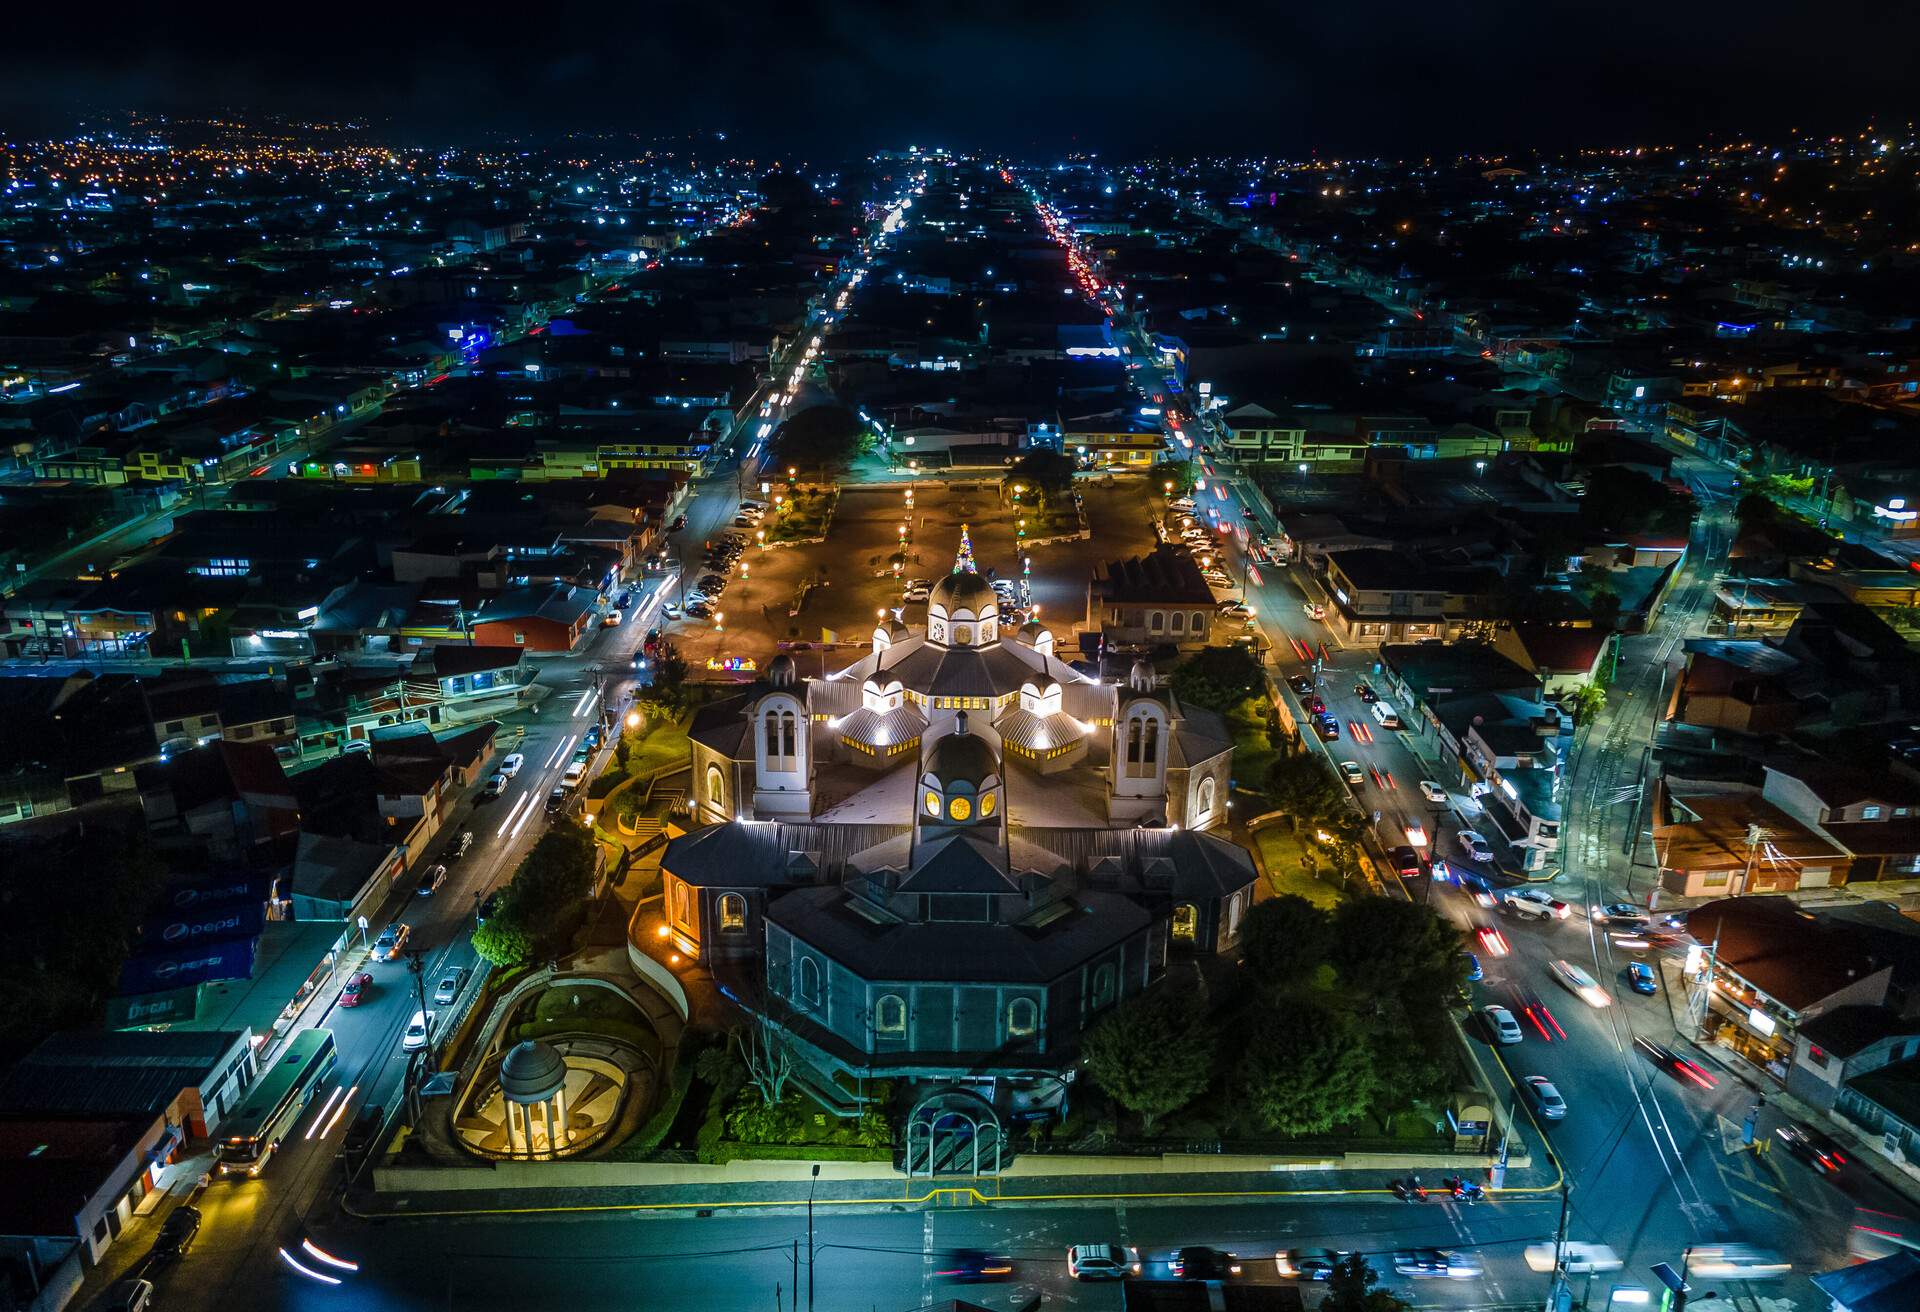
(962, 757)
(1141, 678)
(964, 590)
(532, 1072)
(1030, 632)
(781, 672)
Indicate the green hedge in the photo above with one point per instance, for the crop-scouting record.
(728, 1150)
(641, 1143)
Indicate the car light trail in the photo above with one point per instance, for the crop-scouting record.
(307, 1271)
(344, 1104)
(331, 1100)
(518, 802)
(320, 1254)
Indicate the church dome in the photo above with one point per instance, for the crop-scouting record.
(532, 1072)
(781, 671)
(964, 590)
(962, 757)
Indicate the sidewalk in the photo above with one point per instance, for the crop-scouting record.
(1025, 1183)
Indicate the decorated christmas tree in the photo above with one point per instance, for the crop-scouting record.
(963, 559)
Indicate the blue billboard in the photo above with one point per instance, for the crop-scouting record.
(190, 963)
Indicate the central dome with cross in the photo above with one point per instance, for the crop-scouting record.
(963, 610)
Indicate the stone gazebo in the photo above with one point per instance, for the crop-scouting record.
(533, 1083)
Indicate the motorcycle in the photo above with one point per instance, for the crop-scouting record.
(1464, 1190)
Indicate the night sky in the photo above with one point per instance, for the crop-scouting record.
(1390, 77)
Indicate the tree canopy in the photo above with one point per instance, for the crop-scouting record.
(1283, 941)
(1302, 784)
(1309, 1071)
(1217, 678)
(1044, 472)
(1625, 500)
(1350, 1288)
(1153, 1055)
(819, 437)
(1180, 473)
(1397, 950)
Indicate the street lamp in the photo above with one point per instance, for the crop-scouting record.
(633, 719)
(811, 1182)
(1303, 466)
(1479, 466)
(719, 621)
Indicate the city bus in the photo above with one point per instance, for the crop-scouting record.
(274, 1104)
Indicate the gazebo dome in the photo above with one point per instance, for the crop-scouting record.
(533, 1072)
(964, 590)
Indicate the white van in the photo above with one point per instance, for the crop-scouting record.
(1388, 717)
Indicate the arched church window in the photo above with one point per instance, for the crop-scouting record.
(890, 1015)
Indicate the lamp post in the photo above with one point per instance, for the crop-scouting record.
(812, 1180)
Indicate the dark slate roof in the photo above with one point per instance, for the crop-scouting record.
(948, 950)
(1787, 953)
(958, 671)
(960, 863)
(733, 855)
(1895, 1088)
(1162, 575)
(50, 1167)
(1847, 1030)
(113, 1072)
(1891, 1284)
(334, 868)
(722, 726)
(448, 660)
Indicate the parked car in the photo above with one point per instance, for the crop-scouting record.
(355, 992)
(496, 785)
(699, 610)
(177, 1233)
(392, 941)
(1197, 1263)
(1300, 683)
(1475, 972)
(485, 909)
(461, 843)
(1308, 1263)
(1640, 978)
(679, 522)
(510, 765)
(430, 880)
(1352, 773)
(1327, 726)
(669, 611)
(613, 620)
(132, 1295)
(557, 799)
(418, 1030)
(452, 980)
(1365, 692)
(1502, 1026)
(1314, 610)
(1433, 792)
(1545, 1098)
(1102, 1262)
(1474, 845)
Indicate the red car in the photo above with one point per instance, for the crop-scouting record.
(356, 990)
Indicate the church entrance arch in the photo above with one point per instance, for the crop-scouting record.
(954, 1132)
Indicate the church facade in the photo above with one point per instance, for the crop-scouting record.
(944, 862)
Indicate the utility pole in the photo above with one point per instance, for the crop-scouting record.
(1561, 1294)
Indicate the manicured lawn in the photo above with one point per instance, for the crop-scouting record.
(659, 744)
(1280, 852)
(1253, 748)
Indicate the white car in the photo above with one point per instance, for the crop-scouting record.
(1582, 985)
(511, 765)
(1580, 1259)
(1501, 1024)
(1102, 1262)
(451, 982)
(1475, 846)
(1535, 904)
(1433, 792)
(1546, 1099)
(417, 1031)
(496, 784)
